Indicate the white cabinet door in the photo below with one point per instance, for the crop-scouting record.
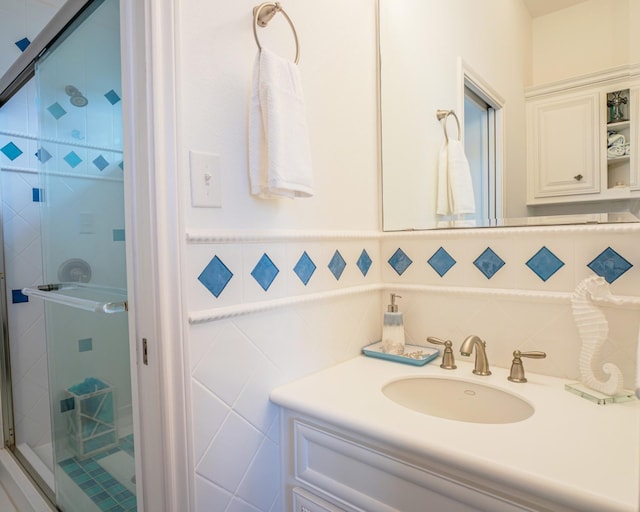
(563, 145)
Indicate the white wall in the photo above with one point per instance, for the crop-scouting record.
(217, 52)
(234, 362)
(585, 38)
(247, 340)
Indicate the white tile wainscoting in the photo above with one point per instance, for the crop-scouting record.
(249, 339)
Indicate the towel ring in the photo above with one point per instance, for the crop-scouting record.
(262, 15)
(443, 115)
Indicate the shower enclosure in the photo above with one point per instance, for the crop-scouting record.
(67, 413)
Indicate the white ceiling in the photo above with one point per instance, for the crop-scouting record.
(542, 7)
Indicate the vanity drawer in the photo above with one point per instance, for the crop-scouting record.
(304, 501)
(358, 477)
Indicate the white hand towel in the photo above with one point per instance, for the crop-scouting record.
(279, 153)
(615, 139)
(455, 188)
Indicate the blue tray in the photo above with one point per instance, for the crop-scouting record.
(422, 355)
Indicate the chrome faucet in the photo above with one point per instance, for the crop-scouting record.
(482, 364)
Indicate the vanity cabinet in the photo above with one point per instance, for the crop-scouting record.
(581, 141)
(327, 469)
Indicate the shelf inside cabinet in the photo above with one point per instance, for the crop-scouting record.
(618, 159)
(619, 125)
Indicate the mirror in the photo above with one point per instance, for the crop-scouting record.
(461, 54)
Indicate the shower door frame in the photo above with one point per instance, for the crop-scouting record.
(152, 199)
(70, 16)
(6, 385)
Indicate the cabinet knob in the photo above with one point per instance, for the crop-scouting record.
(578, 177)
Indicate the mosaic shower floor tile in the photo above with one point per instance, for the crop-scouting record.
(105, 490)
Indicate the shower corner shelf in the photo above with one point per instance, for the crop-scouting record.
(87, 297)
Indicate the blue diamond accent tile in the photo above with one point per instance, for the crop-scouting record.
(441, 261)
(118, 235)
(67, 404)
(215, 276)
(400, 261)
(11, 151)
(85, 345)
(100, 163)
(23, 44)
(610, 265)
(43, 155)
(73, 159)
(17, 297)
(488, 263)
(337, 265)
(112, 97)
(305, 268)
(544, 263)
(56, 110)
(364, 262)
(37, 195)
(265, 272)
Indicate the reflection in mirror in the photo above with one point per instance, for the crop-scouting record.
(529, 81)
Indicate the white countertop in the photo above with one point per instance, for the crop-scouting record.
(575, 453)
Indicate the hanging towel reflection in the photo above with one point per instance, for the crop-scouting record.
(455, 188)
(279, 152)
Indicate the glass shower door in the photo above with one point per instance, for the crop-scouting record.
(84, 265)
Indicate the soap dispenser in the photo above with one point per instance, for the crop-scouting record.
(393, 328)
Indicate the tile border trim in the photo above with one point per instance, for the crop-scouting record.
(65, 142)
(211, 315)
(196, 236)
(223, 237)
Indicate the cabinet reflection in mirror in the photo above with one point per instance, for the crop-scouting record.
(548, 103)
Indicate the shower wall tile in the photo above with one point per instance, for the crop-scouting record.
(231, 453)
(259, 487)
(21, 225)
(234, 365)
(205, 426)
(17, 297)
(210, 496)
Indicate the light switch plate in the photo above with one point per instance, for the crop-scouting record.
(206, 189)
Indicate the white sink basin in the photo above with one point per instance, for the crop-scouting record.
(459, 400)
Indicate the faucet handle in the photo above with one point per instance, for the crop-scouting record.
(517, 369)
(448, 361)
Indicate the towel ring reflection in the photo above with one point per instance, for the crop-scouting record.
(443, 115)
(262, 15)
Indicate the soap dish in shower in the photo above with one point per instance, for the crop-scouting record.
(413, 354)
